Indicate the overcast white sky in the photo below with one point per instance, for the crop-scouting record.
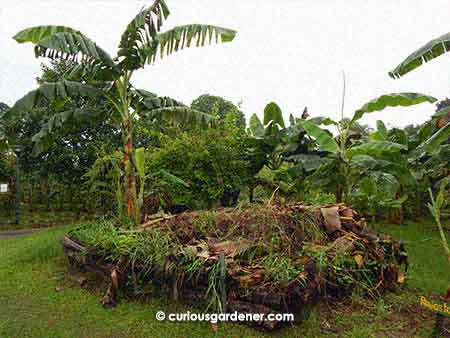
(288, 51)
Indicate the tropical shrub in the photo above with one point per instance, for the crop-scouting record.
(210, 162)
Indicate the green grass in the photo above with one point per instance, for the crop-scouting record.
(37, 301)
(428, 269)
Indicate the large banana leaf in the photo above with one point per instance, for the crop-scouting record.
(443, 112)
(161, 102)
(256, 127)
(425, 132)
(64, 43)
(439, 158)
(52, 91)
(433, 143)
(59, 120)
(141, 32)
(392, 100)
(364, 162)
(431, 50)
(182, 37)
(273, 114)
(381, 128)
(323, 138)
(326, 121)
(307, 162)
(145, 102)
(375, 149)
(163, 108)
(399, 136)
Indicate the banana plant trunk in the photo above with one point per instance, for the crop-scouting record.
(130, 177)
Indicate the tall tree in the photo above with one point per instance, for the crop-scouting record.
(95, 73)
(223, 109)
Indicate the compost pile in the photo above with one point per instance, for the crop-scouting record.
(261, 259)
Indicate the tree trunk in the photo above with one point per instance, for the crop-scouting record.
(339, 193)
(251, 191)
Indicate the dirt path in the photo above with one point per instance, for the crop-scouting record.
(16, 233)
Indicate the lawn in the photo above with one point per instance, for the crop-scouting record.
(37, 300)
(428, 267)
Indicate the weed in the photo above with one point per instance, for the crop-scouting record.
(205, 223)
(281, 268)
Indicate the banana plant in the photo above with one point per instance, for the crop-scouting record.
(375, 154)
(274, 142)
(426, 53)
(435, 207)
(268, 136)
(97, 74)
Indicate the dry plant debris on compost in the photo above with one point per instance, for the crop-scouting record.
(277, 258)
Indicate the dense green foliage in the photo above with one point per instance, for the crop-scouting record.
(382, 172)
(212, 163)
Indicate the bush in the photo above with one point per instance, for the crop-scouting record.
(211, 163)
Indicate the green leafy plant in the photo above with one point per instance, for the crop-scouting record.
(435, 209)
(348, 152)
(96, 74)
(284, 149)
(210, 162)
